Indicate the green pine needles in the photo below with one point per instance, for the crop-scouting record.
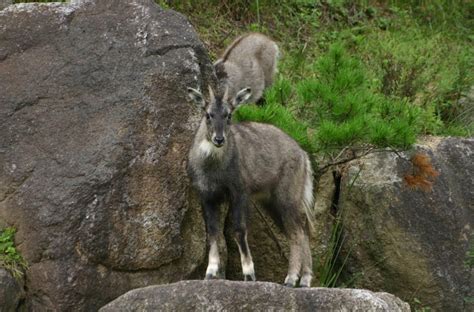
(346, 111)
(276, 113)
(337, 108)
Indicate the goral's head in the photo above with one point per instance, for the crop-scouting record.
(218, 112)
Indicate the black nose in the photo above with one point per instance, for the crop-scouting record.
(219, 140)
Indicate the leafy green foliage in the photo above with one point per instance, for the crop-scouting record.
(10, 259)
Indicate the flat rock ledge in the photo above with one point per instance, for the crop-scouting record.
(222, 295)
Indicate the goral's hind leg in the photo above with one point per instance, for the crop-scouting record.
(307, 262)
(294, 265)
(284, 207)
(300, 262)
(293, 218)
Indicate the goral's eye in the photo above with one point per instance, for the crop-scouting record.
(229, 116)
(208, 116)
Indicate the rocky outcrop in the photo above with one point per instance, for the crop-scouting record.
(95, 131)
(222, 295)
(411, 242)
(5, 3)
(11, 292)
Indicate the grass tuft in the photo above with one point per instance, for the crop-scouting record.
(10, 258)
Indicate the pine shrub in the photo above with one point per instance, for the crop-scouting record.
(336, 108)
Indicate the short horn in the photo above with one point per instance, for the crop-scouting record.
(211, 92)
(226, 93)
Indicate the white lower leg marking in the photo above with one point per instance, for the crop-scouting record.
(291, 279)
(306, 280)
(247, 267)
(213, 264)
(246, 261)
(212, 269)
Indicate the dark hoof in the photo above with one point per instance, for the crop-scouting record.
(249, 278)
(304, 286)
(289, 285)
(210, 277)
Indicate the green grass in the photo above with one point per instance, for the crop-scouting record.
(332, 263)
(418, 306)
(403, 67)
(10, 258)
(428, 69)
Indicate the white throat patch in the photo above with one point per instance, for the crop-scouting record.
(208, 149)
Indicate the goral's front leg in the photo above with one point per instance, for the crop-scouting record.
(213, 262)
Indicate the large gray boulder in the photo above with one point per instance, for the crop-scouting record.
(410, 242)
(94, 135)
(220, 295)
(11, 292)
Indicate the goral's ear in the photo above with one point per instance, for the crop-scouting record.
(197, 97)
(241, 97)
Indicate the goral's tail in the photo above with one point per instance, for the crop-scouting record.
(308, 194)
